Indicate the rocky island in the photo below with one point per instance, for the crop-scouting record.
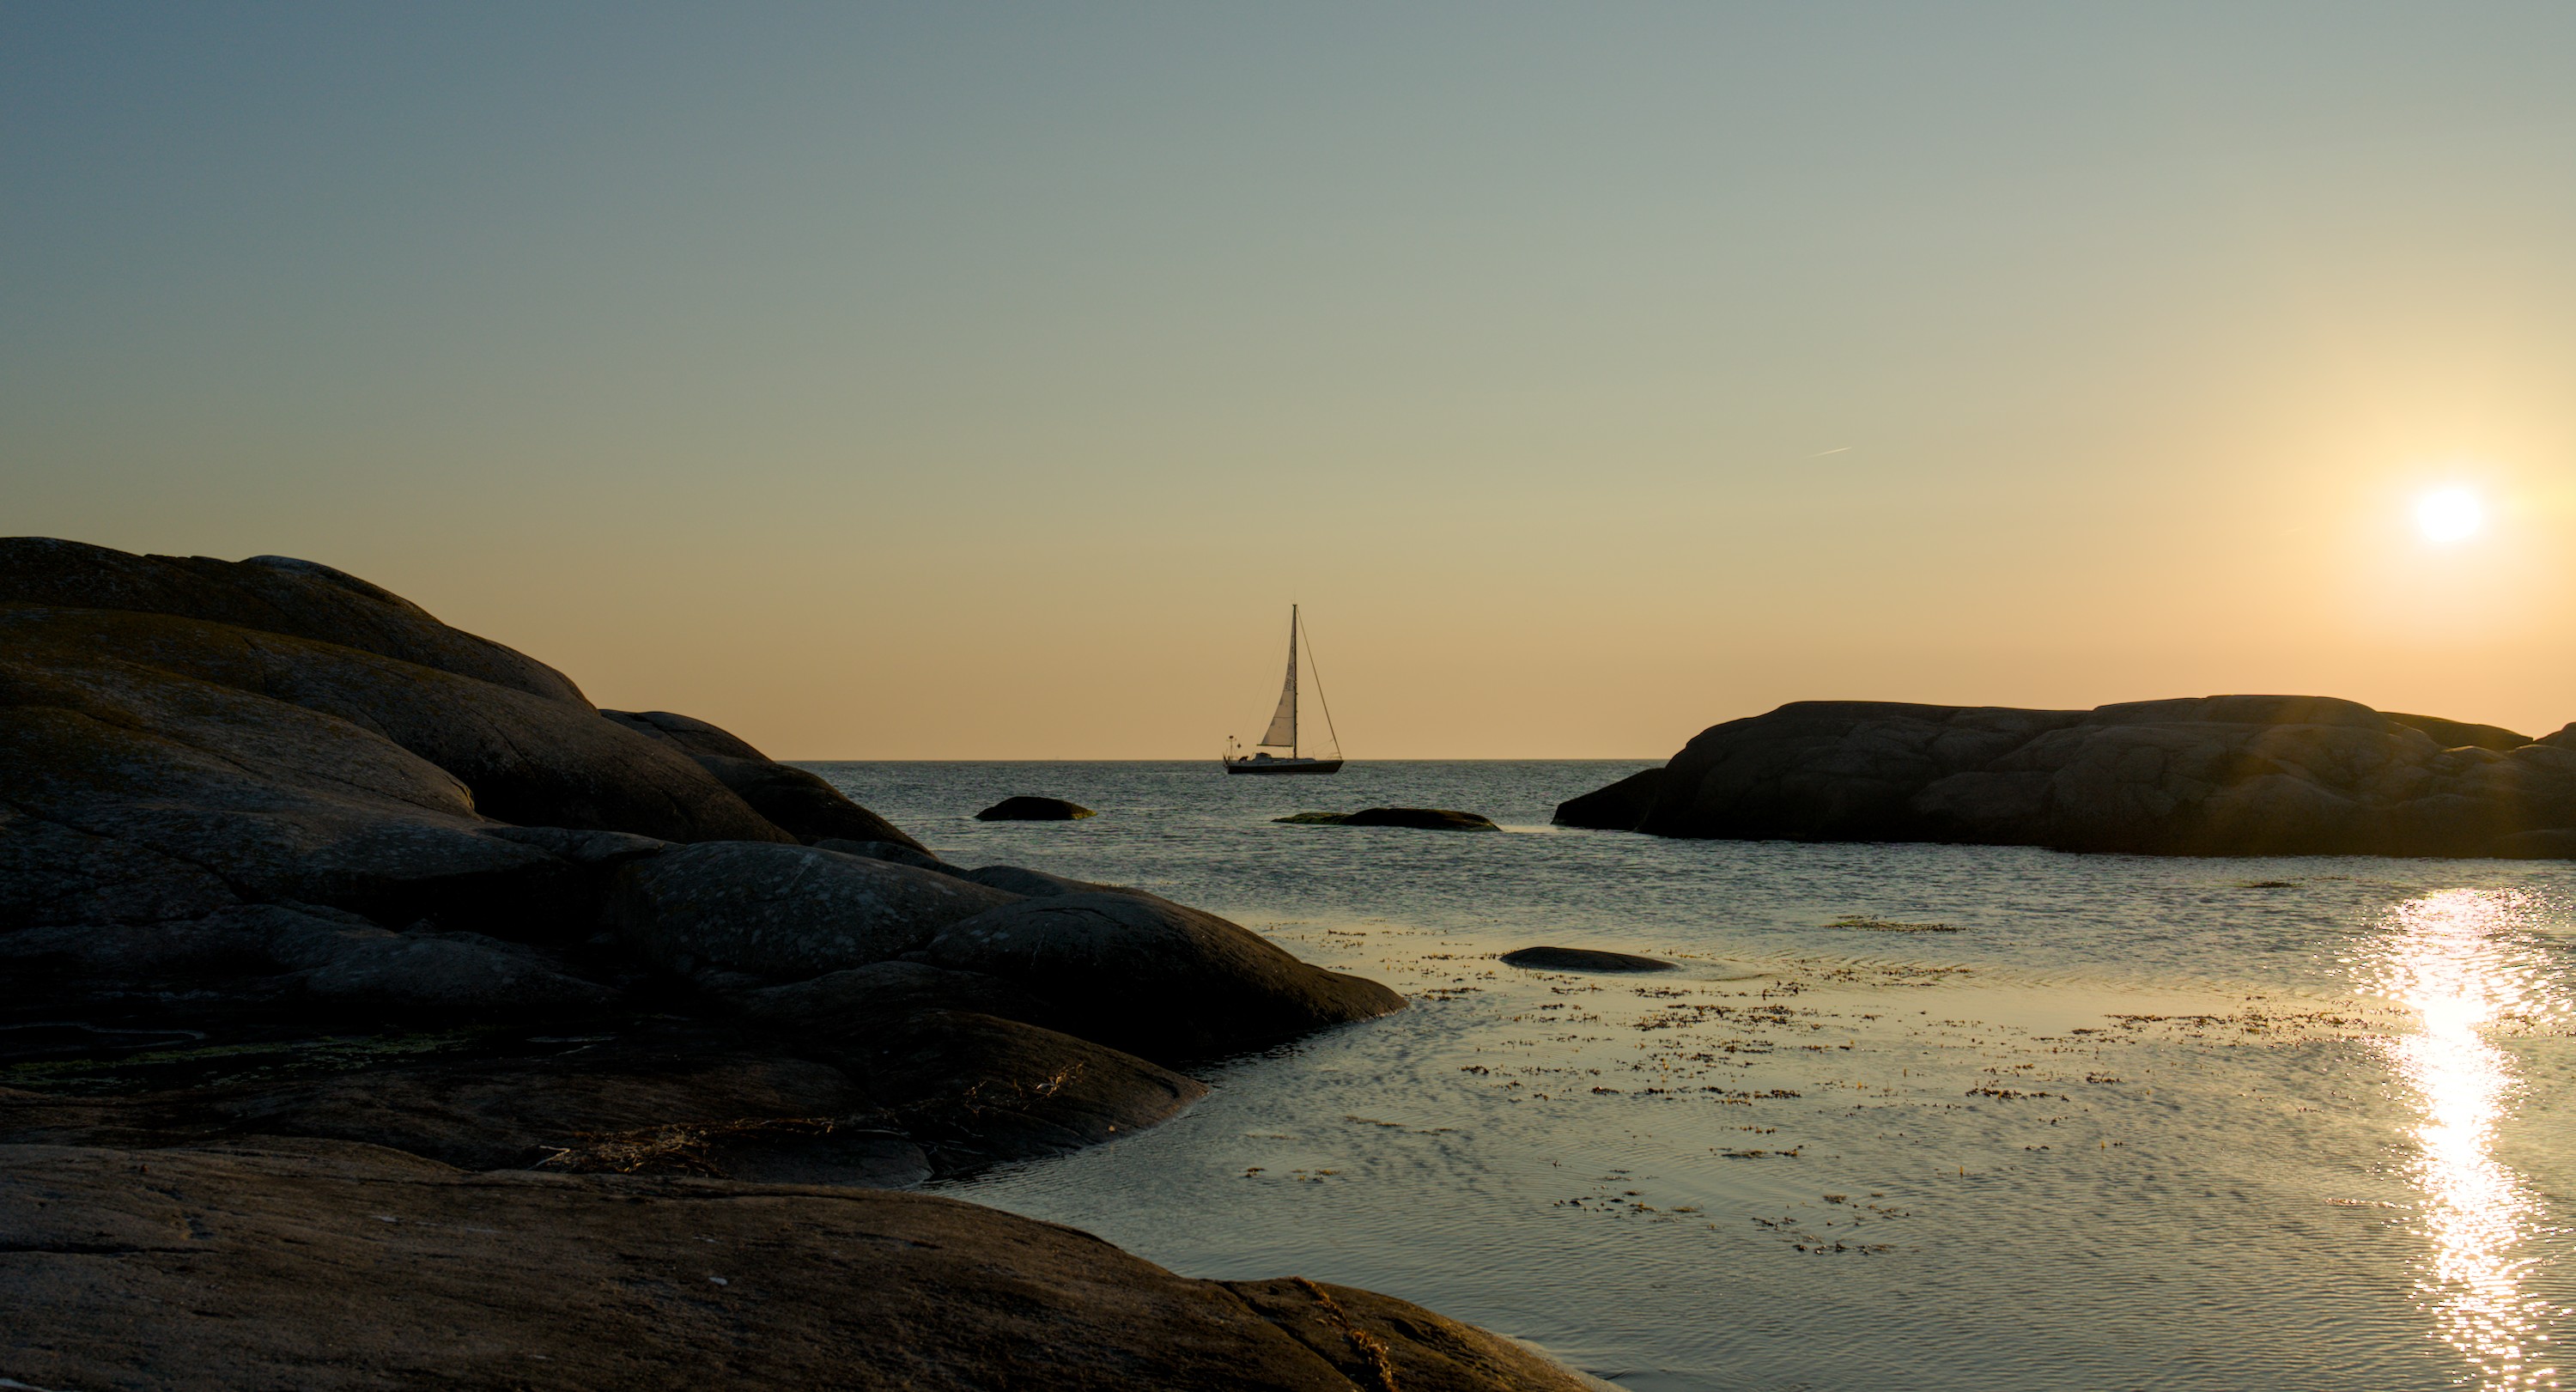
(2214, 775)
(378, 1010)
(1415, 818)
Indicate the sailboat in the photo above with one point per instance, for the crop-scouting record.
(1282, 733)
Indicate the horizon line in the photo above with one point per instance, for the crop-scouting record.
(1195, 759)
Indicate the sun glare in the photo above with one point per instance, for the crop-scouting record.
(2449, 515)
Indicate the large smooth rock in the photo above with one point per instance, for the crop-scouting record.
(343, 967)
(521, 758)
(1619, 807)
(271, 594)
(691, 734)
(328, 1267)
(797, 800)
(801, 803)
(1038, 884)
(859, 998)
(977, 1090)
(896, 851)
(673, 1099)
(2220, 775)
(1154, 978)
(785, 912)
(138, 794)
(271, 966)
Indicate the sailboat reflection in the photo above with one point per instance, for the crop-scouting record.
(2456, 958)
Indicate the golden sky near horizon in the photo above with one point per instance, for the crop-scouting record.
(981, 382)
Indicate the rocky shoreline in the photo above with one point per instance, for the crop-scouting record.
(2217, 775)
(341, 941)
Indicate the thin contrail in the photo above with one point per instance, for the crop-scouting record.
(1835, 450)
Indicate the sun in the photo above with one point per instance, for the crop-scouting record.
(2449, 515)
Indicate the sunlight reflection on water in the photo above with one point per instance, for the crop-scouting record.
(2136, 1123)
(2458, 960)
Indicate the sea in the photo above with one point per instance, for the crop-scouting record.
(1906, 1116)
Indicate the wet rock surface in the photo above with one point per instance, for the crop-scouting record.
(1584, 959)
(2219, 775)
(391, 912)
(323, 1265)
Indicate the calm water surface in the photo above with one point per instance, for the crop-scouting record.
(1910, 1116)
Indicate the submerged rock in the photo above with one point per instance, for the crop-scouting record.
(1034, 809)
(2220, 775)
(1418, 818)
(1585, 959)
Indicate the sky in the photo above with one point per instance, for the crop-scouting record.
(983, 381)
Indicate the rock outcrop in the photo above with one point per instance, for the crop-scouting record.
(1154, 977)
(795, 800)
(1583, 959)
(287, 863)
(1034, 809)
(785, 913)
(1416, 818)
(265, 594)
(327, 1266)
(2219, 775)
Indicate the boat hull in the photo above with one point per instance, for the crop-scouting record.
(1283, 765)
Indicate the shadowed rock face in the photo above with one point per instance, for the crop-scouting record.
(786, 912)
(269, 594)
(330, 1266)
(248, 800)
(1153, 977)
(797, 801)
(521, 758)
(285, 862)
(2221, 775)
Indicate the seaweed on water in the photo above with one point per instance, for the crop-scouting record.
(1868, 924)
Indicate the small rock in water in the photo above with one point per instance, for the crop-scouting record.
(1420, 818)
(1585, 959)
(1034, 809)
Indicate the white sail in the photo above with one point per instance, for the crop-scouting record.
(1283, 723)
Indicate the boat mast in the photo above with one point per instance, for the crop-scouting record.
(1292, 681)
(1320, 698)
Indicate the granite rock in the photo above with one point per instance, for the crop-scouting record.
(2220, 775)
(1154, 977)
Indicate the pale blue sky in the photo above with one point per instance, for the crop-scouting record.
(932, 380)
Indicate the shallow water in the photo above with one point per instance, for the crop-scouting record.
(1917, 1116)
